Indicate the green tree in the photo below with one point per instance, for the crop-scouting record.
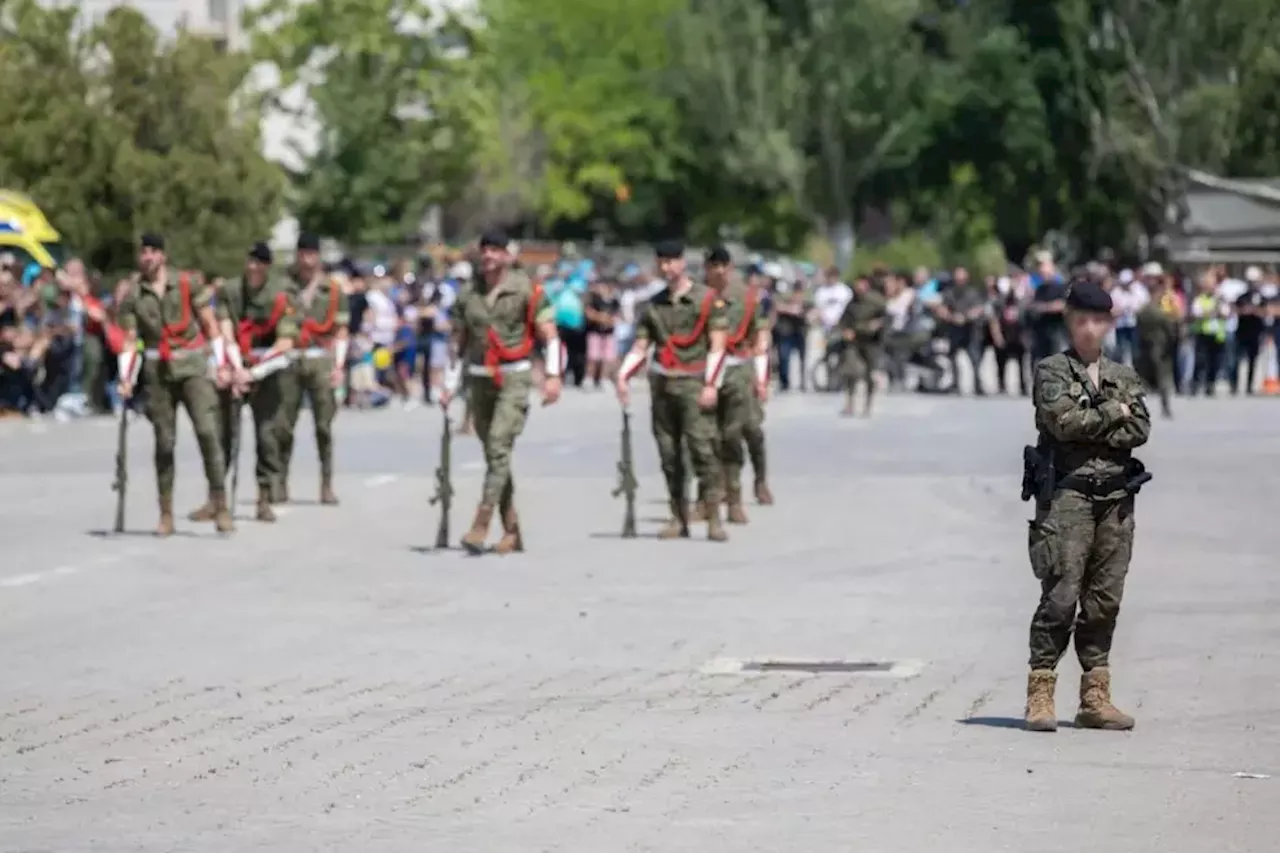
(371, 73)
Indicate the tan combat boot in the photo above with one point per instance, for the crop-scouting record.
(1041, 716)
(1096, 710)
(165, 528)
(715, 529)
(511, 539)
(734, 512)
(327, 495)
(265, 512)
(204, 512)
(697, 511)
(764, 497)
(222, 520)
(473, 539)
(678, 526)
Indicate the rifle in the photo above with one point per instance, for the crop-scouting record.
(233, 453)
(121, 484)
(627, 478)
(444, 486)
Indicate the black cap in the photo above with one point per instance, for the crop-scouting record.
(494, 238)
(669, 249)
(718, 255)
(308, 242)
(151, 240)
(261, 252)
(1089, 296)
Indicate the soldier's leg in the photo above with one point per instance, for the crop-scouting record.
(200, 398)
(753, 434)
(1103, 588)
(264, 402)
(1059, 544)
(288, 411)
(163, 414)
(511, 412)
(226, 437)
(93, 379)
(735, 412)
(483, 397)
(324, 406)
(700, 432)
(664, 421)
(870, 358)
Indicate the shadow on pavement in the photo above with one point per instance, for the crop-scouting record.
(144, 534)
(1006, 722)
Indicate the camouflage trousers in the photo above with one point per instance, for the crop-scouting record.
(1158, 372)
(857, 363)
(733, 416)
(199, 396)
(499, 414)
(309, 378)
(680, 426)
(753, 434)
(1079, 550)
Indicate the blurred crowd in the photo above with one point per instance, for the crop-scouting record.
(57, 332)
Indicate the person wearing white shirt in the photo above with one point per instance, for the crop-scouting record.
(830, 299)
(1128, 297)
(1230, 289)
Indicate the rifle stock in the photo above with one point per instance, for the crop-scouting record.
(121, 484)
(444, 484)
(627, 479)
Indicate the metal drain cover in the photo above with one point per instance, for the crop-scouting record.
(872, 668)
(817, 666)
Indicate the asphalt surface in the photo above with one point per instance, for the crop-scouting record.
(330, 683)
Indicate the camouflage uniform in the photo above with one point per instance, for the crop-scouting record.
(753, 435)
(322, 312)
(260, 316)
(1080, 542)
(680, 326)
(175, 371)
(1159, 326)
(737, 404)
(498, 331)
(864, 317)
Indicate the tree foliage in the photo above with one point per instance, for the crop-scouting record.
(115, 131)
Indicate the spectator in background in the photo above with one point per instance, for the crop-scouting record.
(964, 313)
(1251, 309)
(1008, 332)
(571, 321)
(1229, 291)
(898, 341)
(1128, 297)
(1046, 323)
(1209, 329)
(1047, 273)
(830, 299)
(382, 322)
(603, 308)
(790, 328)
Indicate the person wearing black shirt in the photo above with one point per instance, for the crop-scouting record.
(603, 310)
(1046, 321)
(1251, 313)
(790, 326)
(964, 312)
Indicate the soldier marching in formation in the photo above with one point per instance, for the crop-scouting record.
(687, 324)
(1090, 415)
(497, 318)
(861, 328)
(258, 316)
(171, 326)
(317, 372)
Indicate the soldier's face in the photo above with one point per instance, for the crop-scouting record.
(671, 269)
(1088, 329)
(492, 258)
(255, 270)
(308, 262)
(150, 259)
(717, 274)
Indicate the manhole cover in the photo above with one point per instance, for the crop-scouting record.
(818, 666)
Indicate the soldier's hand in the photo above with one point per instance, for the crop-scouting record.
(762, 391)
(624, 392)
(335, 377)
(125, 388)
(446, 397)
(848, 334)
(707, 397)
(222, 377)
(551, 388)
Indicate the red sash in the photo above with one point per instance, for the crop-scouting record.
(312, 329)
(248, 329)
(667, 353)
(738, 337)
(496, 355)
(173, 333)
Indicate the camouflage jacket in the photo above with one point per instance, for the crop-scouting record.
(322, 310)
(498, 323)
(680, 326)
(744, 317)
(864, 316)
(169, 324)
(1085, 426)
(258, 315)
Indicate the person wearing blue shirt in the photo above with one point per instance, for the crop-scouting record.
(571, 320)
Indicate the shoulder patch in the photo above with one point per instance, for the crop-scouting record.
(1075, 390)
(1051, 390)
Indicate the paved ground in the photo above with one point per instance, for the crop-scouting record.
(326, 684)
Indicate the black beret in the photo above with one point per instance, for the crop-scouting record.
(718, 255)
(494, 238)
(152, 240)
(308, 242)
(669, 249)
(261, 252)
(1089, 296)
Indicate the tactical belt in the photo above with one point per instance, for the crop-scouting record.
(1094, 486)
(510, 367)
(662, 370)
(315, 352)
